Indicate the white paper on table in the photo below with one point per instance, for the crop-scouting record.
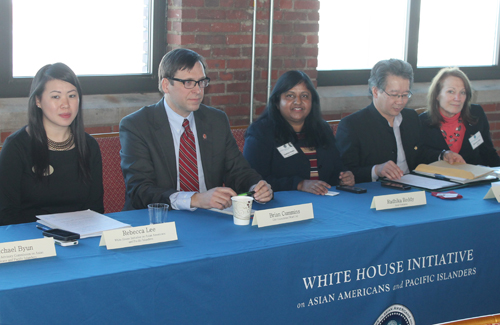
(424, 182)
(87, 223)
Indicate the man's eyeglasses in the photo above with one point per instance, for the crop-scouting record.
(398, 96)
(190, 84)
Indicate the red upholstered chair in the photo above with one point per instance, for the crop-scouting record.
(112, 177)
(239, 135)
(333, 125)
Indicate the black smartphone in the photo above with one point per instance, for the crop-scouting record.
(60, 234)
(397, 186)
(352, 189)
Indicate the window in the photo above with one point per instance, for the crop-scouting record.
(429, 34)
(113, 46)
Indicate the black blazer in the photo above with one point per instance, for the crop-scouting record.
(485, 154)
(284, 174)
(148, 158)
(365, 139)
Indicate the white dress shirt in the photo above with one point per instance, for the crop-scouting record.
(401, 160)
(182, 200)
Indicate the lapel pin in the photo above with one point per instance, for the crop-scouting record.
(204, 136)
(416, 148)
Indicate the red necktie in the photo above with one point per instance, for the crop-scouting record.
(188, 164)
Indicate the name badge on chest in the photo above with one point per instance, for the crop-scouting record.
(476, 140)
(287, 150)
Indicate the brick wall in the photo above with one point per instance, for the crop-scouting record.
(221, 31)
(493, 114)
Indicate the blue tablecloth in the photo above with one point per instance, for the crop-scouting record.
(346, 266)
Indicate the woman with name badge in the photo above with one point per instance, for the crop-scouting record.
(51, 165)
(290, 145)
(452, 126)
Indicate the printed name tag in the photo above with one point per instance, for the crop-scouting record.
(287, 150)
(476, 140)
(137, 236)
(394, 201)
(27, 250)
(277, 216)
(493, 192)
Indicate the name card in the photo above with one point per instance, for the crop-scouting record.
(137, 236)
(277, 216)
(493, 192)
(16, 251)
(394, 201)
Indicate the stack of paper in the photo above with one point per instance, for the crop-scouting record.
(461, 173)
(87, 223)
(425, 182)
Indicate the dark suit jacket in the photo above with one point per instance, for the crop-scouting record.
(148, 158)
(284, 174)
(485, 154)
(365, 139)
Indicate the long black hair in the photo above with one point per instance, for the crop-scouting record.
(39, 147)
(314, 126)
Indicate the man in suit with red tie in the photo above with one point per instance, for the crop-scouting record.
(181, 152)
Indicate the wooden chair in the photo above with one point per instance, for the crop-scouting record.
(420, 110)
(334, 125)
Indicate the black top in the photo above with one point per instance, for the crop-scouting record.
(365, 139)
(485, 154)
(22, 196)
(284, 174)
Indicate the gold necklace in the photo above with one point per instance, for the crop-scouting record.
(61, 146)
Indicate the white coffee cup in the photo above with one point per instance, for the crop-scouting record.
(242, 208)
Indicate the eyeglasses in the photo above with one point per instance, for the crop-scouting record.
(190, 84)
(398, 96)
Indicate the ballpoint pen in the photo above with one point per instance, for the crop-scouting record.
(43, 228)
(441, 177)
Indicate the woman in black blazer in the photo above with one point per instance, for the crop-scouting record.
(290, 145)
(452, 123)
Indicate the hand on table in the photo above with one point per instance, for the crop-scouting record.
(346, 178)
(453, 157)
(263, 192)
(389, 170)
(218, 197)
(314, 186)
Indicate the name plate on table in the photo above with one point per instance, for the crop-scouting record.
(277, 216)
(16, 251)
(137, 236)
(493, 192)
(394, 201)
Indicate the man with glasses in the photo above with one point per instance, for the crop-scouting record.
(383, 139)
(180, 151)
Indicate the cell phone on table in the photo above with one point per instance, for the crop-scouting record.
(65, 243)
(61, 235)
(397, 186)
(352, 189)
